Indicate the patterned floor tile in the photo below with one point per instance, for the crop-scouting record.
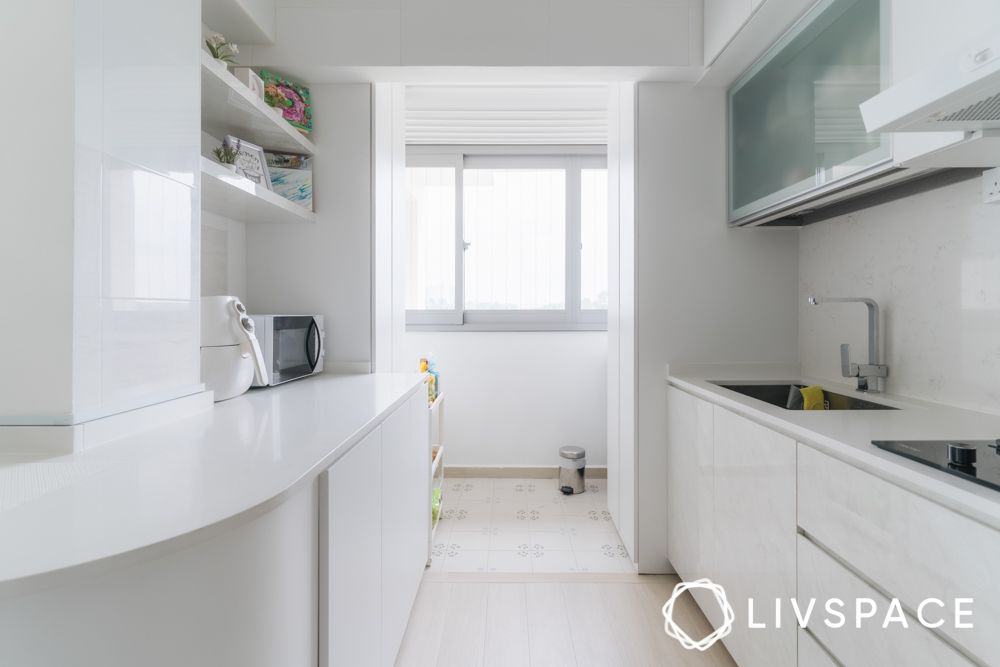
(552, 540)
(599, 561)
(525, 525)
(471, 539)
(509, 561)
(467, 561)
(553, 561)
(509, 539)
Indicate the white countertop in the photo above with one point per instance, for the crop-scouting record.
(847, 434)
(197, 474)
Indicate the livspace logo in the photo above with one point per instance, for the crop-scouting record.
(930, 613)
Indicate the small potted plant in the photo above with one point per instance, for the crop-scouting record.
(226, 155)
(222, 50)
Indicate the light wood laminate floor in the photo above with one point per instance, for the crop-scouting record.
(551, 620)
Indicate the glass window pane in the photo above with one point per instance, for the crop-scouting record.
(515, 221)
(431, 202)
(594, 239)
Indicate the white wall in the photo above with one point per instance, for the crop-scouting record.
(325, 268)
(223, 256)
(514, 398)
(932, 263)
(705, 293)
(462, 33)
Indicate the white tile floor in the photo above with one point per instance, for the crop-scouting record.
(525, 525)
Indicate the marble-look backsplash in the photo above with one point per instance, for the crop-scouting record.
(932, 261)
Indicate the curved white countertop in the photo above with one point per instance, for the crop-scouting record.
(847, 434)
(188, 478)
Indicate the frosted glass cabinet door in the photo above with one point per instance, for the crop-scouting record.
(794, 122)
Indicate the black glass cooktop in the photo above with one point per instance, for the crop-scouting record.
(975, 460)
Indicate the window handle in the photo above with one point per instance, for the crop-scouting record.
(466, 245)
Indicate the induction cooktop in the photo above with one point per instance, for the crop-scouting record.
(975, 460)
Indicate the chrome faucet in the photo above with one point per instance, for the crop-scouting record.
(873, 369)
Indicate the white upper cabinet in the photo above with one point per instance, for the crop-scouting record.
(722, 20)
(794, 122)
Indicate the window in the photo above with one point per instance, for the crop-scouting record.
(505, 241)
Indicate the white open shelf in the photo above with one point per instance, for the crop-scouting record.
(228, 194)
(228, 107)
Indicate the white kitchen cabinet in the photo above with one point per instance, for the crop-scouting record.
(755, 534)
(405, 461)
(690, 484)
(794, 121)
(722, 20)
(904, 543)
(373, 539)
(350, 569)
(822, 578)
(811, 653)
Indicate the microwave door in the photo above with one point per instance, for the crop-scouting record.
(291, 356)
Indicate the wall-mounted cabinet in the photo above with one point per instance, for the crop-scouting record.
(794, 124)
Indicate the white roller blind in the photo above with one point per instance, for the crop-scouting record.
(504, 114)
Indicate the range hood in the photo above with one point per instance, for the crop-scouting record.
(960, 93)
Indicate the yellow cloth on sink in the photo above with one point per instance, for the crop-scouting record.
(812, 398)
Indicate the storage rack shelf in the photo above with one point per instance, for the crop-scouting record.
(229, 107)
(225, 193)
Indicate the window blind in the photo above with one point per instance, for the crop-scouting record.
(506, 114)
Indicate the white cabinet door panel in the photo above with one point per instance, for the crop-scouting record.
(350, 569)
(755, 533)
(690, 484)
(405, 490)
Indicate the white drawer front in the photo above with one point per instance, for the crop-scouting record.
(909, 546)
(811, 654)
(821, 577)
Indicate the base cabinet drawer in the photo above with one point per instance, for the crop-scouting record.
(907, 545)
(822, 578)
(811, 654)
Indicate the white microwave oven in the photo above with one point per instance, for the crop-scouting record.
(292, 346)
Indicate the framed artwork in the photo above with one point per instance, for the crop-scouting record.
(291, 177)
(291, 98)
(250, 161)
(249, 78)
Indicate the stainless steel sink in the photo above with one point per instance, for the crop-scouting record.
(777, 394)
